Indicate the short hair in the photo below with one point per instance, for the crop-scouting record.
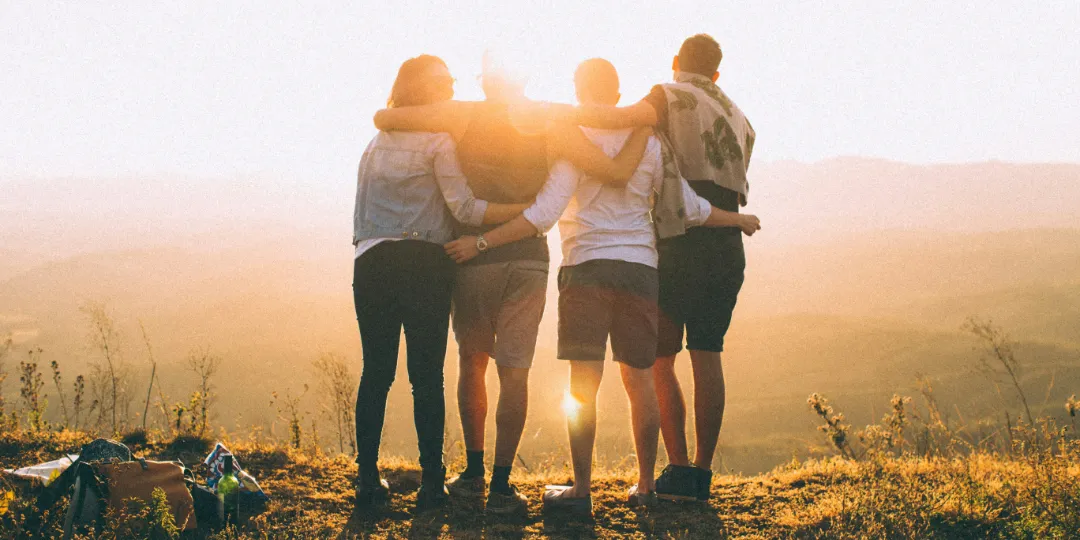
(500, 77)
(410, 88)
(700, 54)
(596, 79)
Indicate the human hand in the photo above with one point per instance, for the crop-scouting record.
(463, 249)
(749, 224)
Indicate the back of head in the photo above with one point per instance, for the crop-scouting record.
(414, 85)
(700, 54)
(597, 82)
(500, 79)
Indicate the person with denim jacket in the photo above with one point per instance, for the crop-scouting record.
(410, 196)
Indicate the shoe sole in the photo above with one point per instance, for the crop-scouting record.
(468, 496)
(507, 512)
(677, 498)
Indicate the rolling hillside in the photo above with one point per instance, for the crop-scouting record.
(856, 298)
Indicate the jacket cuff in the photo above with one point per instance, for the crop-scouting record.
(476, 217)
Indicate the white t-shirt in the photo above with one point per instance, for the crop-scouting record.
(364, 245)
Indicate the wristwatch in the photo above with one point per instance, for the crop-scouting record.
(481, 244)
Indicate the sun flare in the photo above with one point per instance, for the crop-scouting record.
(570, 406)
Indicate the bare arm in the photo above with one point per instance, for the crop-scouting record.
(501, 213)
(448, 116)
(640, 114)
(569, 143)
(748, 223)
(700, 213)
(465, 248)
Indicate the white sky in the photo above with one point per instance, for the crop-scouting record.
(222, 88)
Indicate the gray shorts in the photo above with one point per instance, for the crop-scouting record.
(497, 310)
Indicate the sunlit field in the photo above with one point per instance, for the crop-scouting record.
(176, 193)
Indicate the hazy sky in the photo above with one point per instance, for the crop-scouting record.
(222, 88)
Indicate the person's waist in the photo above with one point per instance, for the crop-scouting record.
(471, 230)
(533, 248)
(641, 252)
(368, 231)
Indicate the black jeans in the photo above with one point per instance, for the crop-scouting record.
(408, 284)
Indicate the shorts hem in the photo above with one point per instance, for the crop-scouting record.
(638, 365)
(707, 348)
(580, 358)
(661, 353)
(512, 363)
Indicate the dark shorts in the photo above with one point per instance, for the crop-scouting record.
(602, 297)
(701, 274)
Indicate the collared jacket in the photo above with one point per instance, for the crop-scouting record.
(410, 186)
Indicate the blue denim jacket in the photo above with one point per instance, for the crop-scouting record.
(410, 186)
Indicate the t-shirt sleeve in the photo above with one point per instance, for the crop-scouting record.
(658, 99)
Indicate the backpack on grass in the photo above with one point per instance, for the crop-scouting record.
(103, 486)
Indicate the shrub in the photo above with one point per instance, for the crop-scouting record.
(30, 391)
(204, 365)
(289, 410)
(337, 391)
(110, 378)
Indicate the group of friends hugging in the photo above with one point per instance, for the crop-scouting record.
(453, 201)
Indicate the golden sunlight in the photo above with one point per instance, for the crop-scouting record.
(570, 406)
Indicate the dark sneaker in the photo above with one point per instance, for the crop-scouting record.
(506, 504)
(373, 495)
(678, 483)
(432, 493)
(704, 484)
(431, 496)
(637, 498)
(556, 500)
(471, 489)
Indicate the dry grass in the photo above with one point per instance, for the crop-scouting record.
(974, 496)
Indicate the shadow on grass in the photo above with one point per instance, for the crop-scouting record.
(682, 519)
(565, 525)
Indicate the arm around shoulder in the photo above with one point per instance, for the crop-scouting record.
(640, 114)
(569, 143)
(448, 116)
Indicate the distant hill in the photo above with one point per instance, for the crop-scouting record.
(859, 283)
(797, 202)
(855, 195)
(13, 262)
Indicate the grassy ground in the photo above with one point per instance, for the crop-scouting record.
(973, 497)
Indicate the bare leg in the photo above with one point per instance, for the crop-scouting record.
(472, 399)
(645, 415)
(585, 378)
(672, 410)
(510, 413)
(709, 400)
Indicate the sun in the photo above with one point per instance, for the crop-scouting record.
(570, 406)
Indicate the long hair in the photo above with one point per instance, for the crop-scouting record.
(410, 88)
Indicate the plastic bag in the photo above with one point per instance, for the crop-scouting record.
(215, 467)
(44, 473)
